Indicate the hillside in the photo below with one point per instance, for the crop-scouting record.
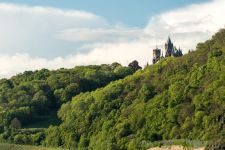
(177, 98)
(31, 100)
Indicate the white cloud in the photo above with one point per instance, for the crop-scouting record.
(38, 10)
(33, 30)
(101, 34)
(189, 25)
(107, 53)
(103, 43)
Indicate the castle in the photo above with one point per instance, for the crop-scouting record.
(170, 50)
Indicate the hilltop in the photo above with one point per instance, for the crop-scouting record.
(176, 98)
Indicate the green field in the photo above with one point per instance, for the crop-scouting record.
(5, 146)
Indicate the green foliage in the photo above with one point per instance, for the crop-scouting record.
(146, 92)
(32, 99)
(177, 98)
(53, 137)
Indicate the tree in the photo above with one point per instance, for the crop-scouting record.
(134, 65)
(146, 92)
(15, 123)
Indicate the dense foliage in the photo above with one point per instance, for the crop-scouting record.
(34, 97)
(177, 98)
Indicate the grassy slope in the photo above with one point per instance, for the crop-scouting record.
(5, 146)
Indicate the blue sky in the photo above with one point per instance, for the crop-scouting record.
(132, 13)
(51, 34)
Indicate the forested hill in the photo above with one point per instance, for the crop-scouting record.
(177, 98)
(30, 96)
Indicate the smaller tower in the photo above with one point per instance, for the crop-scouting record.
(156, 55)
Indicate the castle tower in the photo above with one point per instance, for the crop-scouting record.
(156, 55)
(169, 48)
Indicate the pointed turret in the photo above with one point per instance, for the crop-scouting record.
(169, 48)
(169, 40)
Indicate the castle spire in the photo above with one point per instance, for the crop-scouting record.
(169, 40)
(170, 50)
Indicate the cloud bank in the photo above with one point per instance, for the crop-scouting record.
(84, 38)
(34, 30)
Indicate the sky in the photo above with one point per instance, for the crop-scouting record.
(132, 13)
(52, 34)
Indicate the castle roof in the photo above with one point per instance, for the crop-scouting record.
(169, 41)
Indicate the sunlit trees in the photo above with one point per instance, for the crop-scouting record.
(173, 99)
